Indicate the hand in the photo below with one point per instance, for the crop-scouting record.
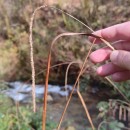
(119, 67)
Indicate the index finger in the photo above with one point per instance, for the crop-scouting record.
(114, 33)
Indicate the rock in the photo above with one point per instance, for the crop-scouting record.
(49, 98)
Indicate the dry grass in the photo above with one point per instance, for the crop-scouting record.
(49, 66)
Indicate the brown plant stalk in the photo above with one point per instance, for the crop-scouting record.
(48, 71)
(66, 74)
(82, 68)
(31, 45)
(116, 88)
(32, 58)
(86, 109)
(49, 63)
(78, 91)
(45, 92)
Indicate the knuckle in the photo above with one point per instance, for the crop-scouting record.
(124, 59)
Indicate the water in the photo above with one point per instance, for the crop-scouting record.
(21, 92)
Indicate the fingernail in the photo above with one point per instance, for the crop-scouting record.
(114, 55)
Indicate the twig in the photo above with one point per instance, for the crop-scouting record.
(45, 92)
(48, 71)
(31, 45)
(49, 62)
(86, 59)
(86, 109)
(117, 89)
(66, 74)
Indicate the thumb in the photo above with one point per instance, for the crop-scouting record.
(121, 58)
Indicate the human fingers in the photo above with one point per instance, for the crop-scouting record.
(100, 55)
(114, 33)
(121, 76)
(121, 58)
(108, 69)
(104, 53)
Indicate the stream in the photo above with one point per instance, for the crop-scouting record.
(22, 92)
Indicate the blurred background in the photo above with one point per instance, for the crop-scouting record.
(15, 71)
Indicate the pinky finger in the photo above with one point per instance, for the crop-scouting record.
(121, 76)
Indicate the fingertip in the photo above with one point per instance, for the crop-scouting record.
(100, 55)
(100, 71)
(92, 57)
